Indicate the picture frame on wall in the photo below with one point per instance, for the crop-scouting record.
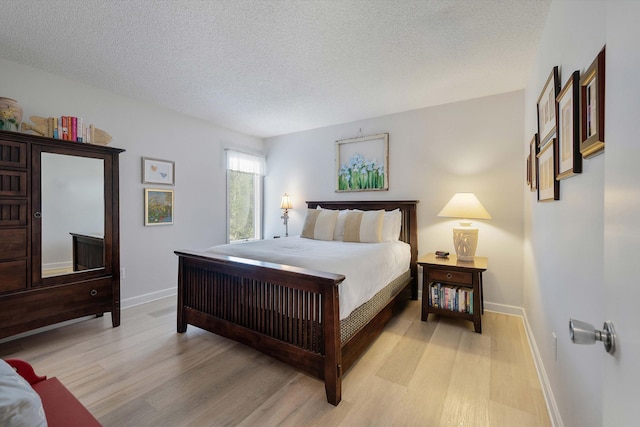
(533, 158)
(158, 206)
(548, 185)
(547, 107)
(157, 171)
(592, 92)
(362, 164)
(568, 156)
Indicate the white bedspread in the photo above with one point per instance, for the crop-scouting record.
(367, 267)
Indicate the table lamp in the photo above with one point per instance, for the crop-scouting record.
(465, 238)
(286, 205)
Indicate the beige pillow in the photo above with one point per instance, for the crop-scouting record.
(363, 227)
(338, 233)
(319, 224)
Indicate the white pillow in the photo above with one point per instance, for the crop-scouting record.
(20, 405)
(391, 225)
(319, 224)
(363, 227)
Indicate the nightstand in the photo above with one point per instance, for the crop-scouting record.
(453, 288)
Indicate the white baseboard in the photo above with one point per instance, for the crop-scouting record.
(152, 296)
(552, 407)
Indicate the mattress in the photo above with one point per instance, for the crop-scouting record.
(367, 267)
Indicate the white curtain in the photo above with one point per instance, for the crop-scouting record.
(245, 162)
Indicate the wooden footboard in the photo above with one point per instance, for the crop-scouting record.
(289, 313)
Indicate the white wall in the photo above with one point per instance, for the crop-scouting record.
(622, 210)
(434, 152)
(197, 147)
(563, 251)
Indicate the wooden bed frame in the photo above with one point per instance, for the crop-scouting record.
(287, 312)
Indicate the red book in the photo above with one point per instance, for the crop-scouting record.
(74, 129)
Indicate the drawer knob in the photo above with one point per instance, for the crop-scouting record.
(448, 275)
(37, 215)
(93, 292)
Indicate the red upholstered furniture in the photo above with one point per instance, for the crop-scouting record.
(60, 406)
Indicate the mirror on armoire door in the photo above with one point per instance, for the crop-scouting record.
(72, 214)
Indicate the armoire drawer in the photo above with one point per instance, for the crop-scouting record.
(13, 154)
(14, 275)
(54, 304)
(13, 183)
(13, 212)
(13, 243)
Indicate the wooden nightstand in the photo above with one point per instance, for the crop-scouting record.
(453, 288)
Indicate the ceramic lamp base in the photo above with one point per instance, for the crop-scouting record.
(465, 241)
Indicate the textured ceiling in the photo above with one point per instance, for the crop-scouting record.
(272, 67)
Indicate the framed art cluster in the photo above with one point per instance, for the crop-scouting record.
(158, 202)
(570, 128)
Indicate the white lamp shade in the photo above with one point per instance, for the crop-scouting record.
(464, 205)
(286, 202)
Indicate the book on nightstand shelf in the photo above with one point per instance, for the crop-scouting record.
(454, 298)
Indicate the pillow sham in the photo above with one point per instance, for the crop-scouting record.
(365, 227)
(20, 405)
(319, 224)
(391, 225)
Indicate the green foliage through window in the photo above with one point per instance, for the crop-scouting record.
(242, 205)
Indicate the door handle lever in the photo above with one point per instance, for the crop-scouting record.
(584, 333)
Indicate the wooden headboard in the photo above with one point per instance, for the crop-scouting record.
(408, 232)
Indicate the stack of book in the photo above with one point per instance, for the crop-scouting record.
(454, 298)
(69, 128)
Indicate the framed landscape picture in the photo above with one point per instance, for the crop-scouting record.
(156, 171)
(362, 164)
(547, 108)
(592, 108)
(158, 206)
(548, 186)
(568, 155)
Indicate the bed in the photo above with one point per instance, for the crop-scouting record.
(293, 313)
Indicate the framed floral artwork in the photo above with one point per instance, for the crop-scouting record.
(158, 206)
(592, 108)
(568, 155)
(547, 108)
(362, 163)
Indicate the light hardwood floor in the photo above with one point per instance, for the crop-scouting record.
(436, 373)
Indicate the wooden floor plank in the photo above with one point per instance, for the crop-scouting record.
(416, 373)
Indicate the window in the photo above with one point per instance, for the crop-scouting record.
(244, 195)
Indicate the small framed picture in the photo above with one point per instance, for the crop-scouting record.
(533, 158)
(528, 165)
(156, 171)
(592, 108)
(548, 185)
(568, 155)
(158, 206)
(547, 108)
